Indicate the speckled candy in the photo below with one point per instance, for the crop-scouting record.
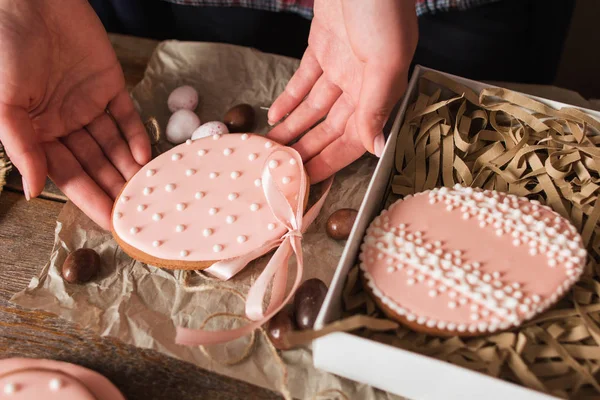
(181, 125)
(208, 129)
(184, 97)
(465, 261)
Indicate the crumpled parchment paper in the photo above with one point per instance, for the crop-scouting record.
(141, 304)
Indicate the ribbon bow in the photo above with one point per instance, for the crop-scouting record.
(277, 269)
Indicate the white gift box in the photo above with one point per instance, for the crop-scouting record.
(386, 367)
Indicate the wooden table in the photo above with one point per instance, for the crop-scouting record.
(26, 237)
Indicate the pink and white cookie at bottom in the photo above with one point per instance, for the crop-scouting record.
(34, 379)
(466, 262)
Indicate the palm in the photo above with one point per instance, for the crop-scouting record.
(353, 71)
(59, 76)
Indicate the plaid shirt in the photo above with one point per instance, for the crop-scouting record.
(305, 7)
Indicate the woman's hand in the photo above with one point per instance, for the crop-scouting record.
(58, 75)
(354, 71)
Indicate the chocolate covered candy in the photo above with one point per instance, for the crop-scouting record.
(339, 224)
(280, 325)
(240, 118)
(308, 301)
(81, 266)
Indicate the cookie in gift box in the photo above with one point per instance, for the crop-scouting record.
(466, 261)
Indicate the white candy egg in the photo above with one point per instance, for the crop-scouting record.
(184, 97)
(181, 125)
(209, 129)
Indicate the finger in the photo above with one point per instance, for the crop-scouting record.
(327, 131)
(67, 174)
(297, 88)
(340, 153)
(23, 148)
(93, 161)
(318, 103)
(107, 135)
(131, 126)
(382, 87)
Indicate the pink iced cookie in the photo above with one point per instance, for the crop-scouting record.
(203, 201)
(465, 262)
(24, 379)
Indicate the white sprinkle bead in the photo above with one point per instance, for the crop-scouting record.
(273, 164)
(199, 195)
(217, 248)
(286, 179)
(252, 156)
(227, 151)
(190, 172)
(201, 152)
(268, 145)
(150, 172)
(207, 232)
(230, 219)
(10, 388)
(188, 142)
(271, 226)
(124, 199)
(241, 239)
(184, 253)
(180, 206)
(170, 187)
(254, 207)
(213, 210)
(119, 215)
(156, 243)
(257, 182)
(244, 136)
(156, 217)
(232, 196)
(235, 174)
(216, 136)
(180, 228)
(293, 161)
(213, 175)
(134, 230)
(176, 157)
(141, 207)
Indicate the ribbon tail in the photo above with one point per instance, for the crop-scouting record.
(226, 269)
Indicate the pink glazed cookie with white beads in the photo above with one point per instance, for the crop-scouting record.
(467, 262)
(203, 201)
(34, 379)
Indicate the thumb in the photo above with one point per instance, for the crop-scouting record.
(382, 86)
(23, 148)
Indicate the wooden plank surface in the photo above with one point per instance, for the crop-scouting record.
(26, 238)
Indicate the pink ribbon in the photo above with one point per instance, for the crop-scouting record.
(276, 270)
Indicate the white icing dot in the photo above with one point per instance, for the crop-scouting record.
(217, 248)
(180, 206)
(150, 172)
(235, 174)
(10, 388)
(271, 226)
(216, 136)
(134, 230)
(273, 164)
(179, 228)
(433, 293)
(119, 215)
(241, 239)
(201, 152)
(257, 182)
(244, 136)
(156, 243)
(452, 304)
(254, 207)
(141, 207)
(411, 281)
(188, 142)
(293, 161)
(252, 156)
(147, 191)
(184, 253)
(213, 211)
(230, 219)
(170, 187)
(286, 180)
(124, 199)
(199, 195)
(176, 157)
(213, 175)
(156, 217)
(552, 263)
(227, 151)
(268, 145)
(190, 172)
(232, 196)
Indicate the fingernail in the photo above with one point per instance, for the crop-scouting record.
(379, 144)
(271, 123)
(26, 189)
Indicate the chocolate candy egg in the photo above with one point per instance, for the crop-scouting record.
(209, 129)
(339, 224)
(307, 302)
(184, 97)
(282, 323)
(181, 125)
(240, 118)
(81, 266)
